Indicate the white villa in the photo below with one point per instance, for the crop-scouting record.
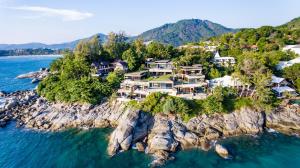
(283, 64)
(280, 87)
(294, 48)
(226, 81)
(223, 61)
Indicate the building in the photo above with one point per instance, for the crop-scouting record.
(223, 61)
(120, 65)
(134, 86)
(283, 64)
(283, 91)
(281, 88)
(160, 67)
(102, 68)
(294, 48)
(278, 82)
(226, 81)
(187, 82)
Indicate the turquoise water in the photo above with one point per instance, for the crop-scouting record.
(11, 67)
(77, 148)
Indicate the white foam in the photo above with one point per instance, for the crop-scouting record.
(2, 102)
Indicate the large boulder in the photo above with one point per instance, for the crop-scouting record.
(222, 151)
(161, 136)
(121, 138)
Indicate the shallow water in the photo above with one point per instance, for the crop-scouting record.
(76, 148)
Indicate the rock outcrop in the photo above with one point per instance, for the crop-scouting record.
(158, 135)
(244, 121)
(35, 76)
(285, 119)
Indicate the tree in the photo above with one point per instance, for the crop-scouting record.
(292, 73)
(169, 106)
(214, 73)
(115, 78)
(132, 59)
(159, 51)
(116, 44)
(90, 50)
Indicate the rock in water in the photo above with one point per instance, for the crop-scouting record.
(121, 138)
(222, 151)
(140, 147)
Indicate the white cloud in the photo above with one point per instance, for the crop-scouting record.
(65, 14)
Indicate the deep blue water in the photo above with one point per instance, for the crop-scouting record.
(77, 148)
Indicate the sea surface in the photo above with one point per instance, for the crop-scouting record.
(87, 148)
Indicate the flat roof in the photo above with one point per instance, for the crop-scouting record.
(139, 73)
(283, 89)
(164, 78)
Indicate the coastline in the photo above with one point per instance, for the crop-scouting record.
(28, 56)
(158, 135)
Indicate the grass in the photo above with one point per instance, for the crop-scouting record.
(160, 78)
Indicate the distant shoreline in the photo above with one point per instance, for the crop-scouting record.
(16, 56)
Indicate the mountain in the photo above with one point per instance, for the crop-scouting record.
(293, 24)
(68, 45)
(185, 31)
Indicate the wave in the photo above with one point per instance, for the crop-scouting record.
(2, 102)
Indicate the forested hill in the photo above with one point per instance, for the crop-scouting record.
(185, 31)
(263, 39)
(67, 45)
(293, 24)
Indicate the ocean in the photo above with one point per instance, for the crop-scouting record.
(21, 147)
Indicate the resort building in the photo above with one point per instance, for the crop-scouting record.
(187, 82)
(160, 67)
(294, 48)
(120, 65)
(104, 67)
(134, 86)
(281, 88)
(223, 61)
(282, 92)
(283, 64)
(226, 81)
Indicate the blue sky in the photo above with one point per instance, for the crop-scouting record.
(55, 21)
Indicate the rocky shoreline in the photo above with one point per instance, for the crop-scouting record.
(36, 76)
(159, 135)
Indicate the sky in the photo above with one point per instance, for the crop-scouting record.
(56, 21)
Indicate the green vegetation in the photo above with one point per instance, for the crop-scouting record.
(223, 100)
(292, 73)
(185, 31)
(257, 52)
(71, 79)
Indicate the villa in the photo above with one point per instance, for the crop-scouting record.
(283, 64)
(223, 61)
(294, 48)
(160, 67)
(187, 82)
(281, 88)
(104, 67)
(226, 81)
